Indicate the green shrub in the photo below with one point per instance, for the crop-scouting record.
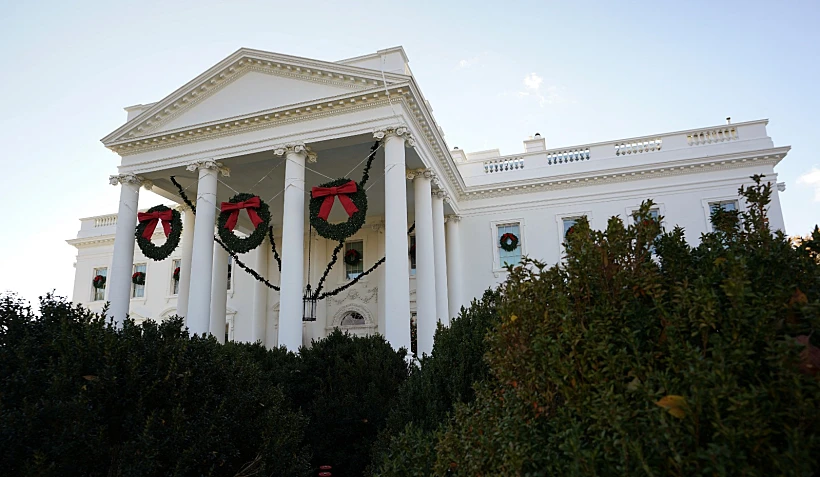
(80, 397)
(346, 386)
(639, 356)
(435, 385)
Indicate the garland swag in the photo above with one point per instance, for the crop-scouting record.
(508, 242)
(171, 224)
(259, 214)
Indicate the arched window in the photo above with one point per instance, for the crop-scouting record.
(352, 318)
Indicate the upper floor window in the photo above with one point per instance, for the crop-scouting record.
(175, 270)
(569, 222)
(354, 259)
(98, 284)
(725, 205)
(138, 278)
(508, 257)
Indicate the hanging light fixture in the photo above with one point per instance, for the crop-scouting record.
(308, 305)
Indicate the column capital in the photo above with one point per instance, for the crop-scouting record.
(182, 207)
(452, 218)
(414, 173)
(399, 130)
(130, 179)
(296, 147)
(441, 194)
(209, 164)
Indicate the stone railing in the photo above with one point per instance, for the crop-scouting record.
(637, 147)
(570, 155)
(105, 220)
(710, 136)
(502, 165)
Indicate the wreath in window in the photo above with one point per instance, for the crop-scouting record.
(352, 197)
(353, 257)
(138, 278)
(176, 274)
(98, 282)
(171, 224)
(258, 212)
(508, 242)
(411, 252)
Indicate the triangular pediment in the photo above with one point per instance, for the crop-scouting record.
(249, 82)
(251, 92)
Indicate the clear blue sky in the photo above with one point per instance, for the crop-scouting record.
(495, 73)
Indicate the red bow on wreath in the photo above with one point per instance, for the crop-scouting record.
(329, 193)
(234, 207)
(152, 218)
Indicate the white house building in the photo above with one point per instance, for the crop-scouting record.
(275, 126)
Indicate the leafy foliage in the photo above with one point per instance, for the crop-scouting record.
(644, 356)
(80, 397)
(440, 381)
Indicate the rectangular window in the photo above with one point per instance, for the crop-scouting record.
(354, 270)
(174, 281)
(99, 293)
(654, 213)
(230, 271)
(727, 205)
(138, 291)
(568, 223)
(512, 257)
(412, 253)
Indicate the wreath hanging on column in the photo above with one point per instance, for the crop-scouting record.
(352, 197)
(353, 257)
(98, 282)
(508, 242)
(171, 224)
(258, 212)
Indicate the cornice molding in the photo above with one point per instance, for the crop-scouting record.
(709, 164)
(239, 63)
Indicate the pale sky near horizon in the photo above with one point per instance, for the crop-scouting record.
(494, 72)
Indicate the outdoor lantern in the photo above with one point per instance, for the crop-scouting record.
(308, 305)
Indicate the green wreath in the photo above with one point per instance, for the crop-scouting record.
(508, 242)
(237, 244)
(353, 257)
(342, 230)
(163, 251)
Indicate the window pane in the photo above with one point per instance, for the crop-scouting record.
(568, 223)
(512, 257)
(138, 291)
(99, 293)
(353, 271)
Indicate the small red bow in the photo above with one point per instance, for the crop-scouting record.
(152, 218)
(234, 207)
(329, 193)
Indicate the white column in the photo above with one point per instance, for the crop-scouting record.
(454, 268)
(396, 272)
(440, 258)
(122, 264)
(425, 263)
(292, 280)
(219, 293)
(185, 262)
(260, 293)
(199, 297)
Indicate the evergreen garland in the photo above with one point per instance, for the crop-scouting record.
(273, 248)
(342, 230)
(159, 253)
(231, 240)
